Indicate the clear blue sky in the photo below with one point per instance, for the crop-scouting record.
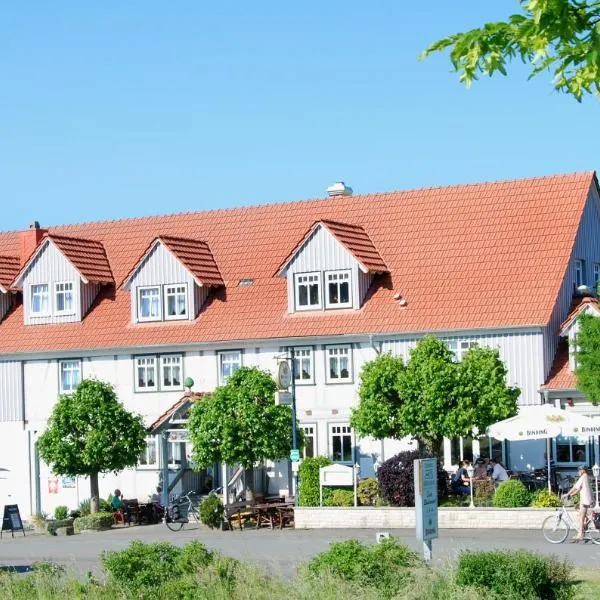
(114, 109)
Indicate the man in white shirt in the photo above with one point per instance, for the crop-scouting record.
(499, 473)
(584, 488)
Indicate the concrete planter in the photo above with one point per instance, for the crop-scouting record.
(366, 517)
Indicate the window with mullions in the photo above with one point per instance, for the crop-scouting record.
(170, 366)
(571, 450)
(145, 369)
(338, 289)
(63, 297)
(460, 348)
(579, 266)
(229, 363)
(149, 304)
(149, 457)
(176, 302)
(303, 365)
(339, 364)
(309, 440)
(70, 375)
(308, 291)
(40, 300)
(340, 443)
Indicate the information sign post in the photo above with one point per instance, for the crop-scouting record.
(426, 503)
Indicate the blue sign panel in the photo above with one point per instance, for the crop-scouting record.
(426, 499)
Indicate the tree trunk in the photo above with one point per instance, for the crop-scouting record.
(94, 493)
(249, 484)
(432, 447)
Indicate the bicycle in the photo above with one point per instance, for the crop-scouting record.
(556, 527)
(179, 511)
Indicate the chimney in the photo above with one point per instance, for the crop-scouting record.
(30, 240)
(339, 188)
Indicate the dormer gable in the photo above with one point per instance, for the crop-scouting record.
(172, 280)
(62, 278)
(331, 267)
(9, 267)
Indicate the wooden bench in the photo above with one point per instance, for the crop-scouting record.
(240, 513)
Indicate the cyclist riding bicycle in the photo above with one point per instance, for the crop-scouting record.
(584, 488)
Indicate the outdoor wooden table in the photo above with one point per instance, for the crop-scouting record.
(272, 513)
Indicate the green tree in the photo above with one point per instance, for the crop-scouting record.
(558, 35)
(239, 423)
(90, 432)
(587, 372)
(433, 396)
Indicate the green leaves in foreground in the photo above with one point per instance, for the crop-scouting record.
(558, 35)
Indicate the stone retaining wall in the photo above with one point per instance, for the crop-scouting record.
(399, 518)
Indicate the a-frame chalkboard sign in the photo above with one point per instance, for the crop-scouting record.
(12, 520)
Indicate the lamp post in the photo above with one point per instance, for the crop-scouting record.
(596, 473)
(470, 472)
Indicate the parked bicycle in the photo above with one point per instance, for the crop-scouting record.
(180, 510)
(556, 527)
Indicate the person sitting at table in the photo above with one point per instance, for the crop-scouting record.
(116, 502)
(499, 473)
(480, 469)
(460, 479)
(157, 496)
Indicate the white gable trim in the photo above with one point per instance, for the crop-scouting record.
(126, 285)
(307, 238)
(40, 250)
(572, 325)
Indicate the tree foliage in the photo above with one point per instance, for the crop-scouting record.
(587, 372)
(239, 423)
(433, 396)
(558, 35)
(90, 432)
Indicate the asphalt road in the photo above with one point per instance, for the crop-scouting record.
(279, 551)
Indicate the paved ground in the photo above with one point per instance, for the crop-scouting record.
(280, 551)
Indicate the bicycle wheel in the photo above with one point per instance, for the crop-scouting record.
(555, 529)
(593, 533)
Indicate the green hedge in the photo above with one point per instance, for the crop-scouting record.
(511, 494)
(308, 487)
(340, 497)
(516, 574)
(368, 492)
(212, 512)
(96, 522)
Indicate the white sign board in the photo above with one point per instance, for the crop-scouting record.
(179, 435)
(336, 475)
(426, 499)
(284, 398)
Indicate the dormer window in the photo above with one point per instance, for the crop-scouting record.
(338, 289)
(63, 298)
(308, 291)
(40, 300)
(149, 303)
(176, 302)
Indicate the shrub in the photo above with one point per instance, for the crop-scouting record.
(61, 512)
(385, 566)
(516, 574)
(84, 507)
(545, 499)
(483, 490)
(340, 497)
(142, 565)
(74, 514)
(511, 494)
(396, 478)
(368, 492)
(96, 522)
(212, 511)
(39, 520)
(308, 487)
(192, 557)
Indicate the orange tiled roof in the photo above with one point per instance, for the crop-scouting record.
(193, 254)
(577, 307)
(463, 257)
(188, 397)
(9, 267)
(354, 238)
(87, 256)
(561, 377)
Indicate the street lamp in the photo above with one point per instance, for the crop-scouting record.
(470, 472)
(596, 473)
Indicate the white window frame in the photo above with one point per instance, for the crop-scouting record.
(579, 274)
(150, 441)
(460, 347)
(596, 273)
(571, 441)
(333, 351)
(167, 361)
(337, 273)
(345, 430)
(300, 358)
(171, 458)
(223, 357)
(298, 284)
(72, 366)
(139, 291)
(310, 431)
(136, 366)
(63, 292)
(167, 294)
(33, 293)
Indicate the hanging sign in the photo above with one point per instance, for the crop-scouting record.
(12, 520)
(284, 376)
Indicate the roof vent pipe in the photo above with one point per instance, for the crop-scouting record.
(339, 188)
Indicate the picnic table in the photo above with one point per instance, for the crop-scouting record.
(273, 514)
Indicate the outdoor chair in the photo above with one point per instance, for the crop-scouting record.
(118, 517)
